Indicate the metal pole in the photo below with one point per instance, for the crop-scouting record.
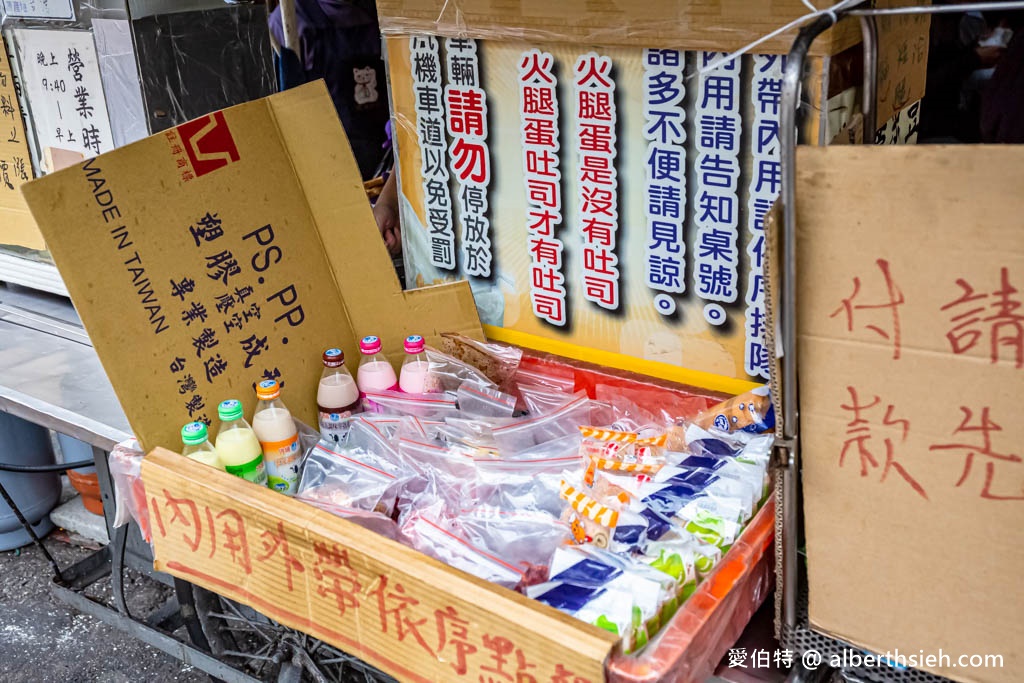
(869, 35)
(936, 9)
(791, 82)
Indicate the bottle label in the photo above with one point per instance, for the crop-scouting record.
(334, 423)
(282, 459)
(253, 471)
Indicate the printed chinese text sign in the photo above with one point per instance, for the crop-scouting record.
(387, 604)
(230, 260)
(911, 267)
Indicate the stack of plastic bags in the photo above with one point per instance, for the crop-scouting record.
(597, 508)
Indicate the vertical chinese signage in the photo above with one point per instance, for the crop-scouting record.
(610, 205)
(665, 175)
(15, 164)
(765, 185)
(16, 225)
(430, 132)
(65, 94)
(716, 213)
(538, 104)
(597, 178)
(466, 105)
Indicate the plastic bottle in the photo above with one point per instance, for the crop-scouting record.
(237, 446)
(194, 437)
(375, 372)
(337, 396)
(279, 438)
(415, 366)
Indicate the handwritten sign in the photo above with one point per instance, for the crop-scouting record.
(16, 225)
(40, 9)
(387, 604)
(199, 269)
(62, 83)
(911, 368)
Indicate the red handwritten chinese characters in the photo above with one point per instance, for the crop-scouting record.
(990, 321)
(344, 598)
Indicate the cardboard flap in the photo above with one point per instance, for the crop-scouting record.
(337, 202)
(199, 262)
(395, 608)
(911, 364)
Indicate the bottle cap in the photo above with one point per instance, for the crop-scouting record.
(193, 434)
(414, 344)
(267, 390)
(334, 358)
(229, 410)
(370, 345)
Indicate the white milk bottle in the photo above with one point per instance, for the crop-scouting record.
(415, 366)
(279, 438)
(194, 436)
(237, 446)
(375, 372)
(337, 396)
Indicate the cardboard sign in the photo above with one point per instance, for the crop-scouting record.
(61, 77)
(16, 224)
(695, 24)
(911, 363)
(233, 248)
(391, 606)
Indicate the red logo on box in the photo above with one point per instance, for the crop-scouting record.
(208, 143)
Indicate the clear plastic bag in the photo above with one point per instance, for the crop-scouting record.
(451, 464)
(497, 361)
(650, 405)
(370, 520)
(524, 434)
(448, 374)
(359, 474)
(427, 406)
(125, 463)
(541, 400)
(430, 530)
(523, 484)
(559, 378)
(484, 401)
(525, 539)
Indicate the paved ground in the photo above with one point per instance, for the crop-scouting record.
(45, 641)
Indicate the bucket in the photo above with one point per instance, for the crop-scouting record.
(23, 443)
(84, 479)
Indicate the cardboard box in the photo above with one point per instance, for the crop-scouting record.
(690, 167)
(408, 614)
(228, 249)
(16, 224)
(911, 365)
(391, 606)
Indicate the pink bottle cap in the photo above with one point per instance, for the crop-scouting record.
(414, 344)
(369, 345)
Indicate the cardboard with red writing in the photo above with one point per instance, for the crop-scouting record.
(16, 224)
(407, 614)
(227, 250)
(911, 364)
